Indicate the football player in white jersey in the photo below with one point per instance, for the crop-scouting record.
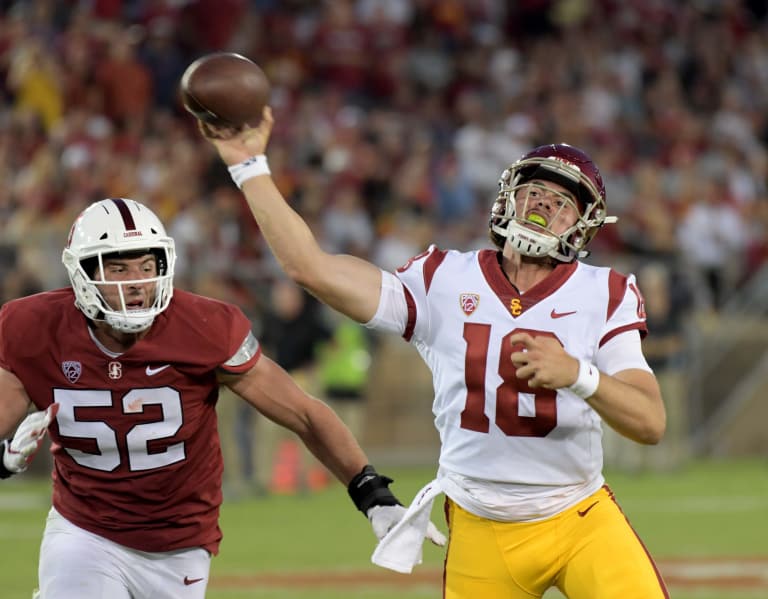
(531, 351)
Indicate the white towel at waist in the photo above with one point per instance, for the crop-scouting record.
(400, 549)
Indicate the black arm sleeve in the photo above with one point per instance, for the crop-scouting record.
(369, 488)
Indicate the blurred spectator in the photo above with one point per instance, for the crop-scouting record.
(400, 237)
(712, 238)
(413, 178)
(125, 83)
(210, 25)
(483, 145)
(384, 92)
(342, 364)
(17, 283)
(340, 50)
(346, 224)
(292, 331)
(653, 214)
(34, 78)
(166, 62)
(667, 300)
(453, 193)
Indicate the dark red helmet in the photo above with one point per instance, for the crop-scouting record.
(569, 167)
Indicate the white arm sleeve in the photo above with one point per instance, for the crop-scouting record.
(392, 313)
(621, 353)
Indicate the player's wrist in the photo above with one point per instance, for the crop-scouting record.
(255, 166)
(368, 489)
(587, 380)
(5, 472)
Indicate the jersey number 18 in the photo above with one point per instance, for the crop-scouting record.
(508, 419)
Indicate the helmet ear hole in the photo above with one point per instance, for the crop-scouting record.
(89, 265)
(160, 259)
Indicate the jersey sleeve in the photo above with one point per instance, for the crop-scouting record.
(622, 352)
(392, 312)
(244, 348)
(626, 307)
(416, 276)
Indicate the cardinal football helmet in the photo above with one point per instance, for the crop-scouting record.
(116, 227)
(569, 167)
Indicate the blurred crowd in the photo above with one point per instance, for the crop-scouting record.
(394, 121)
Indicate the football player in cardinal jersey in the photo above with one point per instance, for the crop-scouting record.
(530, 350)
(123, 371)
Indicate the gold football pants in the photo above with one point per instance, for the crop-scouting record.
(589, 551)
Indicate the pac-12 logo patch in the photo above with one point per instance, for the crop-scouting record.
(469, 302)
(72, 369)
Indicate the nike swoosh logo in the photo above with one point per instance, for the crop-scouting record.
(583, 513)
(554, 314)
(153, 371)
(188, 581)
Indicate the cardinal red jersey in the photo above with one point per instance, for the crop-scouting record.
(462, 310)
(137, 457)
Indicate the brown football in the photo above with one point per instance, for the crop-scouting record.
(225, 89)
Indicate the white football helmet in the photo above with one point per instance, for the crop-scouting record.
(569, 167)
(112, 227)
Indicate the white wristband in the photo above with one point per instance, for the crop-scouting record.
(587, 381)
(248, 169)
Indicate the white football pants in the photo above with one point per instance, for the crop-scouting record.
(75, 564)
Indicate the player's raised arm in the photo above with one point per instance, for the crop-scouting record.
(346, 283)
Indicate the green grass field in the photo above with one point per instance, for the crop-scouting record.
(283, 547)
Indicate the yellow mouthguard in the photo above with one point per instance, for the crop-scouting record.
(538, 219)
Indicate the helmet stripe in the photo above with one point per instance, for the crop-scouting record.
(125, 212)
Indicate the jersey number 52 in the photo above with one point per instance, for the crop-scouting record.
(106, 447)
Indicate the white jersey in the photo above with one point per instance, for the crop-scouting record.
(461, 312)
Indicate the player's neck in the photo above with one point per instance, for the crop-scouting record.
(525, 272)
(113, 340)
